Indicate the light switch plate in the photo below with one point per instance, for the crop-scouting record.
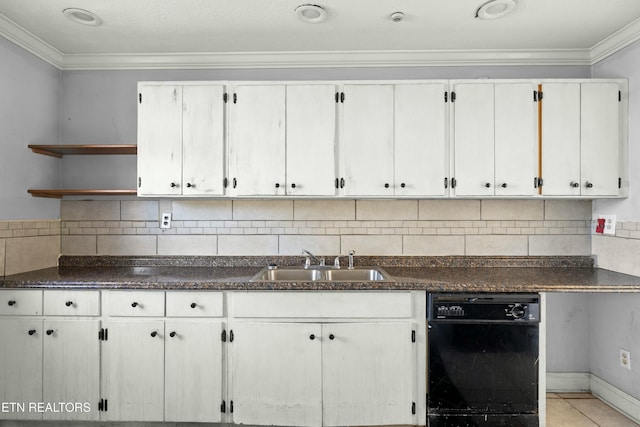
(165, 221)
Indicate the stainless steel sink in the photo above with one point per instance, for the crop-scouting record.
(300, 274)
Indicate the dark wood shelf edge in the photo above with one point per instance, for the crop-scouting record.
(95, 149)
(59, 194)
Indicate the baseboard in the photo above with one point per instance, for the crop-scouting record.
(622, 401)
(572, 382)
(568, 382)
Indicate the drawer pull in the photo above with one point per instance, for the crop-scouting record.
(154, 334)
(32, 331)
(173, 334)
(68, 303)
(49, 331)
(11, 303)
(134, 304)
(194, 305)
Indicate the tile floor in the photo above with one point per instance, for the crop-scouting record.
(582, 410)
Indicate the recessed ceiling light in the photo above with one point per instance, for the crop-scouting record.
(311, 13)
(82, 16)
(495, 9)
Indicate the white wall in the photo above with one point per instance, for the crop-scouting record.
(29, 108)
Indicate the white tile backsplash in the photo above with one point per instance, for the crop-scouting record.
(187, 245)
(372, 245)
(497, 245)
(367, 210)
(139, 210)
(126, 245)
(247, 245)
(449, 209)
(262, 209)
(433, 245)
(512, 210)
(212, 210)
(318, 245)
(78, 210)
(337, 210)
(79, 245)
(563, 245)
(31, 253)
(2, 255)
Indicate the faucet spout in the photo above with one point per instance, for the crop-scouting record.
(310, 256)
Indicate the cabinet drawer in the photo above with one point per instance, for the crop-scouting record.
(20, 302)
(194, 304)
(134, 303)
(338, 304)
(71, 303)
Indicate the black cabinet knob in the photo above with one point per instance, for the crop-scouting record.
(277, 185)
(488, 184)
(173, 185)
(589, 184)
(312, 337)
(134, 304)
(32, 331)
(331, 336)
(386, 185)
(154, 334)
(504, 185)
(194, 305)
(172, 334)
(11, 303)
(49, 331)
(190, 185)
(68, 303)
(403, 185)
(574, 184)
(293, 185)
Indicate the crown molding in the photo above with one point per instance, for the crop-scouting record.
(30, 42)
(622, 38)
(326, 59)
(242, 60)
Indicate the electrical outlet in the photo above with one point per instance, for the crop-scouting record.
(625, 359)
(166, 220)
(604, 224)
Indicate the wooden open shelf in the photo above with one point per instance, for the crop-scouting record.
(60, 150)
(59, 194)
(94, 149)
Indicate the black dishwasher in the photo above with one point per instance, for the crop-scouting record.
(483, 360)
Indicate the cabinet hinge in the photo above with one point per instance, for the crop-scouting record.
(231, 340)
(413, 408)
(619, 96)
(223, 407)
(225, 182)
(103, 334)
(453, 96)
(535, 96)
(235, 98)
(619, 182)
(446, 96)
(342, 97)
(225, 97)
(446, 182)
(102, 405)
(453, 183)
(337, 97)
(231, 406)
(537, 182)
(539, 95)
(140, 98)
(224, 337)
(413, 336)
(139, 182)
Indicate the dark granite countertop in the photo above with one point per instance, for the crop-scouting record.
(436, 274)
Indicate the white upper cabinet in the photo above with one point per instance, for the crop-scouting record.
(420, 126)
(582, 141)
(180, 140)
(494, 139)
(366, 152)
(311, 139)
(257, 140)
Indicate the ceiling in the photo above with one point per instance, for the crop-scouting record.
(243, 33)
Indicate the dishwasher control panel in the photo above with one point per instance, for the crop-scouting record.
(484, 307)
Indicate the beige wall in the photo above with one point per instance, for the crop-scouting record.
(28, 245)
(375, 227)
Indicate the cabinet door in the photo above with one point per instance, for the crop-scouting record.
(134, 366)
(420, 132)
(561, 139)
(367, 374)
(600, 139)
(193, 371)
(203, 140)
(257, 140)
(71, 367)
(311, 134)
(276, 375)
(367, 140)
(473, 133)
(21, 366)
(159, 140)
(515, 139)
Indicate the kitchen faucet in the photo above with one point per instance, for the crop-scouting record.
(309, 255)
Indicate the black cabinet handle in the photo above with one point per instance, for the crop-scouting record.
(504, 185)
(312, 337)
(11, 303)
(173, 334)
(154, 334)
(68, 303)
(49, 331)
(32, 331)
(331, 336)
(194, 305)
(386, 185)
